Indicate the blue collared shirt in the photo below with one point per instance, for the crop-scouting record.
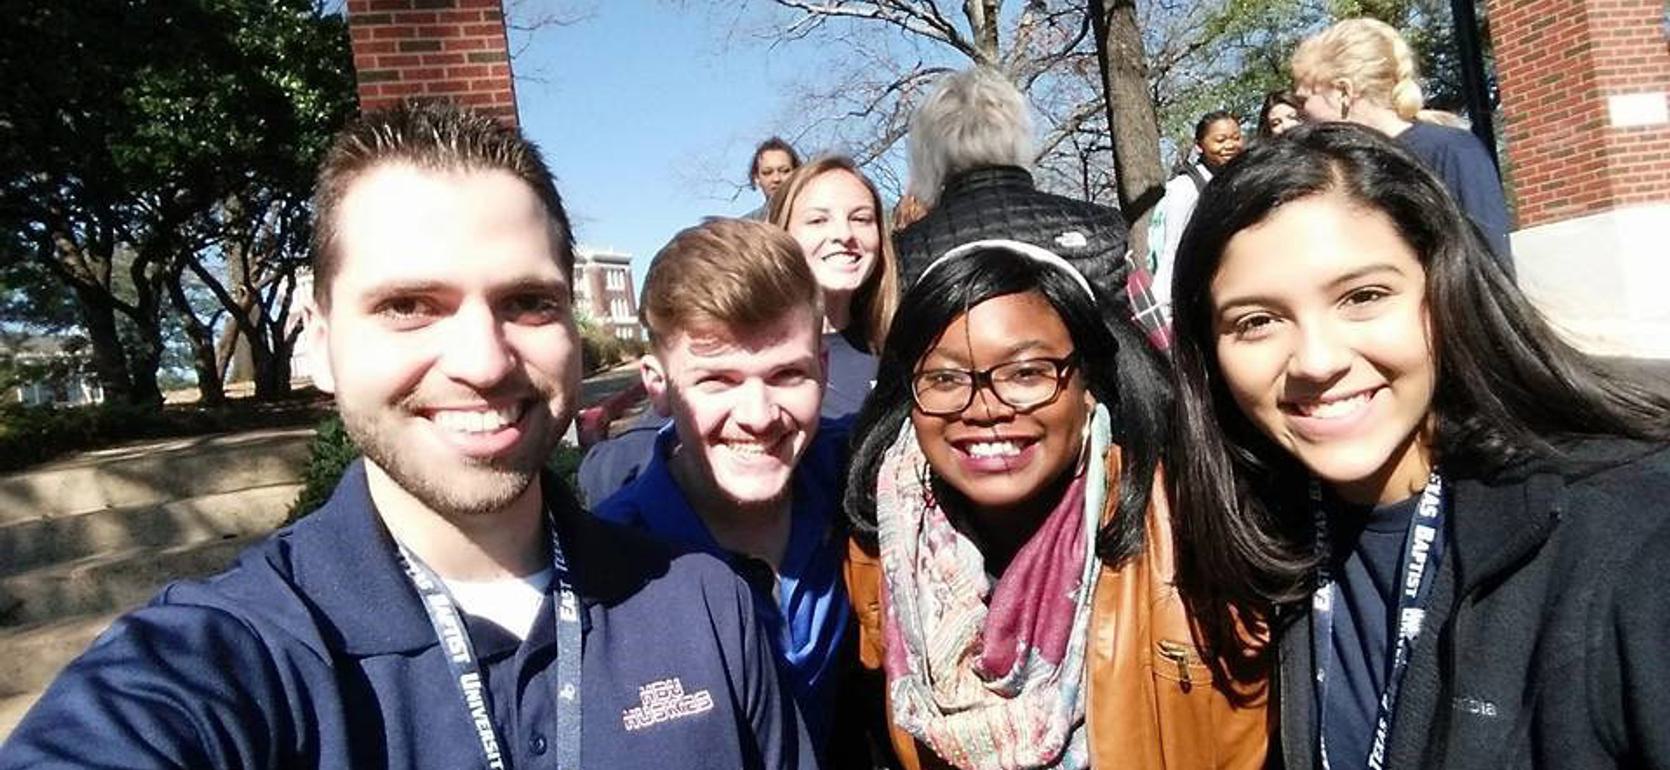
(809, 613)
(313, 650)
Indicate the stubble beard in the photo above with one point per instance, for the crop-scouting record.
(468, 488)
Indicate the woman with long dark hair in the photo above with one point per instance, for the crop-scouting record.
(1455, 523)
(1011, 563)
(1281, 111)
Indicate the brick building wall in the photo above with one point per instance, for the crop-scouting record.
(604, 290)
(1580, 80)
(1586, 100)
(451, 49)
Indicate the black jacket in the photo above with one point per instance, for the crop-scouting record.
(1001, 202)
(1548, 633)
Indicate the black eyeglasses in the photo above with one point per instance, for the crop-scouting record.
(1020, 384)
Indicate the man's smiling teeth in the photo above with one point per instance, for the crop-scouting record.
(1334, 408)
(754, 448)
(994, 449)
(477, 421)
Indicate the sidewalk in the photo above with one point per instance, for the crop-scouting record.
(608, 382)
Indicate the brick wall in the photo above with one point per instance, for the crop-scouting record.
(451, 49)
(1560, 62)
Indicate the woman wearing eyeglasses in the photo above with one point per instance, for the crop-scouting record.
(1011, 562)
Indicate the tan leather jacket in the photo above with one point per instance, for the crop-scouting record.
(1152, 700)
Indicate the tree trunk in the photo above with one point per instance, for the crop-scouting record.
(98, 315)
(145, 357)
(226, 346)
(1131, 116)
(272, 371)
(209, 386)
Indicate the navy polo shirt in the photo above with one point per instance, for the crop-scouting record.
(806, 606)
(1463, 164)
(314, 651)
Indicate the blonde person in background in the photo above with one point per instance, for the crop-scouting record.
(1361, 71)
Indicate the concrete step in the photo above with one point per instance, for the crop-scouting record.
(12, 710)
(108, 582)
(155, 472)
(37, 652)
(27, 545)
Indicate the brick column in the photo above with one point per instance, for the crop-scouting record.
(1585, 88)
(447, 49)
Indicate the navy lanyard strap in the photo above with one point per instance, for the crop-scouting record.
(466, 670)
(1422, 546)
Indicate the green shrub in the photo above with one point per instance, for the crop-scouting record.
(600, 348)
(332, 450)
(565, 462)
(30, 435)
(328, 457)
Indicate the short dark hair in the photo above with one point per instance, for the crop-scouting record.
(431, 135)
(1205, 123)
(773, 143)
(1508, 388)
(1120, 369)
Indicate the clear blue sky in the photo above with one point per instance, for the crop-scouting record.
(645, 115)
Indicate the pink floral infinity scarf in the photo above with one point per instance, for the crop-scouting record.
(988, 673)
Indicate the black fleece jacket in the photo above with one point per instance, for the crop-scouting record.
(1548, 634)
(1001, 202)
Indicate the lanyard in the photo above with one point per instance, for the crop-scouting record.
(1422, 547)
(466, 671)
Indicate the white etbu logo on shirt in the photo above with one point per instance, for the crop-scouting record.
(664, 701)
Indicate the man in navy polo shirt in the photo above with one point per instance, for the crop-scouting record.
(745, 470)
(433, 613)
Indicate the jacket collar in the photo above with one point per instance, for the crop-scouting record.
(1500, 522)
(1496, 524)
(988, 177)
(342, 560)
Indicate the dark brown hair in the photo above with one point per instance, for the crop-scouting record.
(773, 143)
(433, 136)
(1508, 388)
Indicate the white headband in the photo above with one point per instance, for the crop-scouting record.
(1034, 253)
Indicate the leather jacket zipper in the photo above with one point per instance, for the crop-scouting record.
(1178, 653)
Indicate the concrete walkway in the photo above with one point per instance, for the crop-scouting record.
(88, 537)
